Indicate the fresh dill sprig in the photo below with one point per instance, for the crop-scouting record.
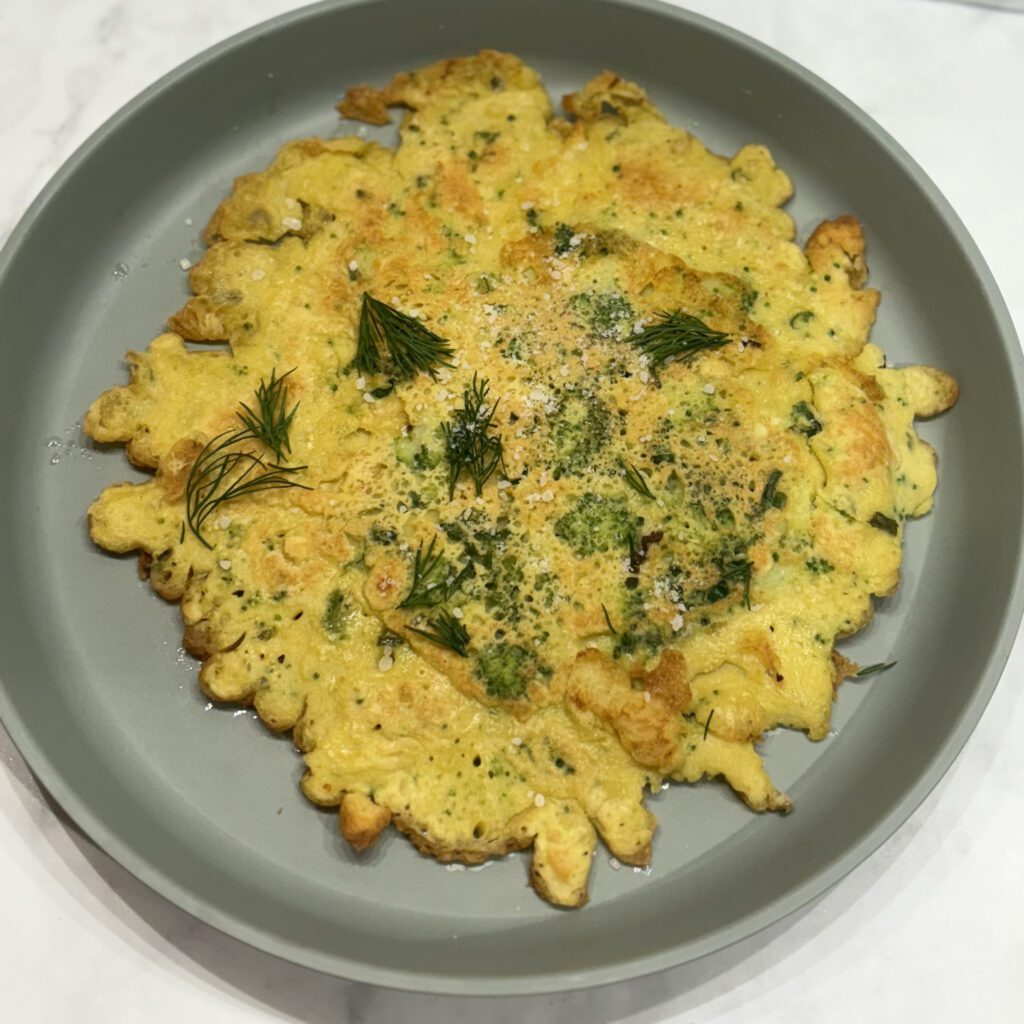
(737, 570)
(637, 480)
(677, 337)
(446, 631)
(229, 467)
(870, 670)
(432, 581)
(390, 341)
(271, 421)
(771, 496)
(707, 722)
(468, 445)
(608, 619)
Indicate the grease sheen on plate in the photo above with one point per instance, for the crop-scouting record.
(187, 822)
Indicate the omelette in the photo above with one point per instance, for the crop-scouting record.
(541, 467)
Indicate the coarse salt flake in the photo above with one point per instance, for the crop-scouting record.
(360, 383)
(517, 741)
(538, 800)
(184, 263)
(291, 223)
(385, 663)
(353, 265)
(708, 389)
(224, 522)
(614, 863)
(367, 397)
(457, 612)
(225, 564)
(470, 238)
(258, 275)
(676, 623)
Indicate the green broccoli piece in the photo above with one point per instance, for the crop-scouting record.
(505, 670)
(596, 523)
(804, 421)
(381, 535)
(563, 239)
(580, 430)
(414, 449)
(608, 315)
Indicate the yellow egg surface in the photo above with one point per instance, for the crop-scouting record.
(541, 468)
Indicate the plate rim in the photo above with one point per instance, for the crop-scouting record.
(627, 968)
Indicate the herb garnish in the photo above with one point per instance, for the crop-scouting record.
(637, 480)
(772, 497)
(390, 341)
(608, 619)
(564, 235)
(468, 446)
(446, 631)
(737, 570)
(677, 337)
(707, 722)
(804, 421)
(271, 420)
(228, 468)
(870, 670)
(880, 521)
(432, 582)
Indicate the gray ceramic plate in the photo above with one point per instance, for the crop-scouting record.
(201, 803)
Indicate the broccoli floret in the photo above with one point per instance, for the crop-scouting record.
(563, 239)
(419, 449)
(505, 670)
(633, 640)
(804, 421)
(597, 523)
(381, 535)
(516, 347)
(501, 589)
(580, 429)
(608, 315)
(335, 613)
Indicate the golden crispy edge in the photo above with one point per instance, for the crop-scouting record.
(365, 103)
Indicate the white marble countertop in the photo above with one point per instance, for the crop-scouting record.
(930, 926)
